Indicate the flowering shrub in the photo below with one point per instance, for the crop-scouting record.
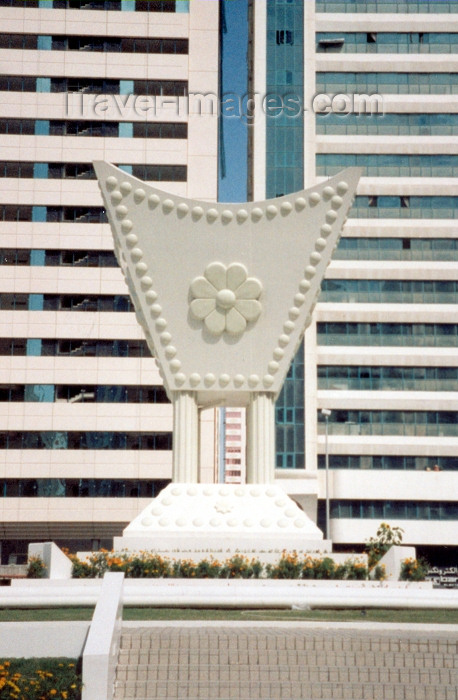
(39, 679)
(378, 546)
(413, 570)
(151, 565)
(36, 567)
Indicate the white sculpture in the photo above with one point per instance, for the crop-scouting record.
(224, 293)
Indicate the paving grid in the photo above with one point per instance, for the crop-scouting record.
(269, 663)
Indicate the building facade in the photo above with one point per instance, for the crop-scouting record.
(86, 427)
(378, 82)
(132, 82)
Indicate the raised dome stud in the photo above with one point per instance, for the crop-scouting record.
(131, 239)
(326, 230)
(146, 282)
(283, 340)
(273, 367)
(168, 205)
(116, 197)
(320, 244)
(268, 380)
(286, 208)
(153, 201)
(197, 213)
(315, 258)
(331, 216)
(328, 192)
(294, 313)
(278, 353)
(212, 215)
(136, 254)
(126, 188)
(141, 268)
(180, 379)
(170, 352)
(209, 379)
(299, 299)
(253, 380)
(111, 183)
(256, 214)
(314, 198)
(336, 202)
(342, 188)
(300, 203)
(182, 209)
(242, 215)
(194, 379)
(156, 310)
(271, 211)
(227, 216)
(304, 286)
(161, 324)
(224, 380)
(165, 338)
(310, 272)
(175, 365)
(289, 326)
(150, 296)
(139, 195)
(239, 380)
(126, 226)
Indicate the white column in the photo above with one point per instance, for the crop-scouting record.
(185, 438)
(260, 440)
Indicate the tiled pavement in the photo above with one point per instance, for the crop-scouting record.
(288, 662)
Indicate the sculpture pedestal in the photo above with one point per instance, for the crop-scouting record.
(198, 521)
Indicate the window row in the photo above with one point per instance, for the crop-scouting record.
(77, 215)
(54, 347)
(404, 207)
(83, 440)
(389, 165)
(387, 42)
(109, 5)
(354, 378)
(77, 393)
(85, 171)
(400, 510)
(388, 83)
(396, 249)
(57, 258)
(64, 302)
(97, 86)
(387, 124)
(105, 129)
(389, 291)
(81, 488)
(386, 6)
(93, 43)
(420, 423)
(389, 462)
(380, 334)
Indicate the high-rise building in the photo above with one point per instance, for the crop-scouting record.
(334, 83)
(86, 427)
(378, 82)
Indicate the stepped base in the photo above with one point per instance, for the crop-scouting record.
(198, 521)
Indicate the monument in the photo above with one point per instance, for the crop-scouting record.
(224, 293)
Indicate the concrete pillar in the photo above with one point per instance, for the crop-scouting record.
(260, 438)
(185, 438)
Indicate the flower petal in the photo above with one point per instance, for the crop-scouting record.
(236, 275)
(200, 308)
(251, 289)
(202, 289)
(235, 323)
(216, 322)
(249, 308)
(216, 274)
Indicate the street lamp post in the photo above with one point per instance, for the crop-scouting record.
(326, 413)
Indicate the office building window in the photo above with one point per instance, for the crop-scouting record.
(380, 334)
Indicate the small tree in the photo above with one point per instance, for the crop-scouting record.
(385, 538)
